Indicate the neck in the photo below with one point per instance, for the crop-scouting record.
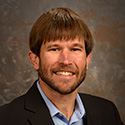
(65, 103)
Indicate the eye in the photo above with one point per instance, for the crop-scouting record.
(54, 49)
(76, 49)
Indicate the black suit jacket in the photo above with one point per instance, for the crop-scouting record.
(30, 109)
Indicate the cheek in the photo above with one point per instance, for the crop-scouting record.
(79, 57)
(80, 62)
(49, 60)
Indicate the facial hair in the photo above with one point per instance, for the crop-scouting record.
(47, 79)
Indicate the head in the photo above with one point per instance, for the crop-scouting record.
(59, 24)
(61, 45)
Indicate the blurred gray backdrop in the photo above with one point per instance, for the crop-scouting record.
(106, 20)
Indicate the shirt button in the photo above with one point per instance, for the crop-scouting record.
(60, 114)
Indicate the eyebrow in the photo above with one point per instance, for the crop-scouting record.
(78, 45)
(74, 45)
(53, 45)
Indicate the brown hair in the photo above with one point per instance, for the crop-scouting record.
(59, 24)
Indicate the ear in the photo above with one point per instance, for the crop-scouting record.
(88, 60)
(34, 60)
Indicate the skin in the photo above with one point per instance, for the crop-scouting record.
(62, 68)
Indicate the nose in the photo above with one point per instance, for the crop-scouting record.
(65, 57)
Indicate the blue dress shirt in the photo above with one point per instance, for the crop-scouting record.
(58, 117)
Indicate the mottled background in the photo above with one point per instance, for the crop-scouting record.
(106, 20)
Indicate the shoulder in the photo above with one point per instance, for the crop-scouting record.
(97, 102)
(21, 108)
(18, 102)
(15, 106)
(98, 105)
(103, 108)
(11, 112)
(93, 99)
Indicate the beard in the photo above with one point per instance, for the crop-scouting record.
(47, 78)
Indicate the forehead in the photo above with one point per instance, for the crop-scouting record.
(65, 42)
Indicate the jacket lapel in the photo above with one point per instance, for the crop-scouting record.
(41, 117)
(35, 104)
(93, 116)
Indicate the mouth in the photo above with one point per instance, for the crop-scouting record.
(64, 73)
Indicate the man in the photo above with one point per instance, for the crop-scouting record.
(60, 51)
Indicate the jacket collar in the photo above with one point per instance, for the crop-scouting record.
(93, 115)
(36, 105)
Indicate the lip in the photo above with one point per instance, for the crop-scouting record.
(64, 74)
(64, 71)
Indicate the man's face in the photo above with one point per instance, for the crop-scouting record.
(63, 65)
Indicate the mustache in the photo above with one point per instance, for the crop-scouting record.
(68, 68)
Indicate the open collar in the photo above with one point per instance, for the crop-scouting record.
(35, 104)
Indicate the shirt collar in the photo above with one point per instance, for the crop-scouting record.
(53, 110)
(79, 108)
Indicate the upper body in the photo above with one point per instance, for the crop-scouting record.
(60, 51)
(31, 109)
